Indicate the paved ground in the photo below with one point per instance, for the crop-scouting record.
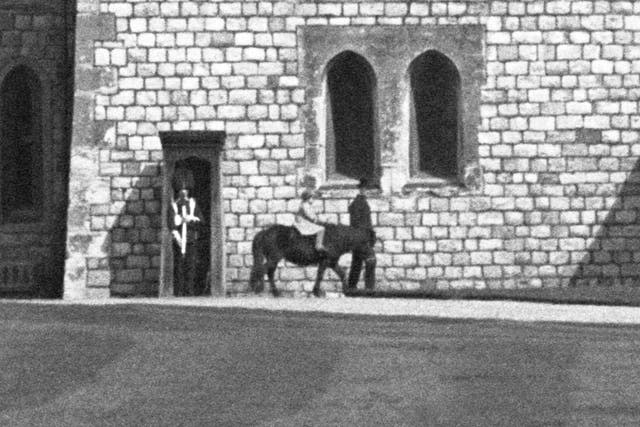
(163, 364)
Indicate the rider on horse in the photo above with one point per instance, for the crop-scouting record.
(307, 220)
(278, 242)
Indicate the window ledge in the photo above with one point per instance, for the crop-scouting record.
(339, 185)
(344, 187)
(439, 187)
(427, 181)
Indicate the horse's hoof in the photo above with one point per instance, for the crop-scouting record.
(319, 293)
(276, 293)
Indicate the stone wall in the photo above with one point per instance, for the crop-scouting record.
(554, 203)
(36, 34)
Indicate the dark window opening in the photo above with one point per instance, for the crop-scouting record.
(435, 89)
(20, 147)
(350, 118)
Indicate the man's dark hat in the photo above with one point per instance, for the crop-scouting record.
(364, 183)
(183, 178)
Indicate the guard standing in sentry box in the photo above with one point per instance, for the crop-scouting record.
(185, 221)
(360, 216)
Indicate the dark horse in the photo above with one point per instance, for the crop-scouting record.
(279, 241)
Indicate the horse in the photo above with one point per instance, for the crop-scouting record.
(276, 242)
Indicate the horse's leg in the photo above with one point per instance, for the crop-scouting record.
(256, 278)
(271, 272)
(341, 274)
(270, 266)
(316, 288)
(356, 268)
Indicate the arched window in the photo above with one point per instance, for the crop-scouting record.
(351, 150)
(20, 147)
(435, 119)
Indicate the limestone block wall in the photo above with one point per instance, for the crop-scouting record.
(36, 35)
(556, 202)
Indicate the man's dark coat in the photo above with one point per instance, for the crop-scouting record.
(360, 216)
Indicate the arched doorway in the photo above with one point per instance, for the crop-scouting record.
(194, 156)
(32, 183)
(199, 172)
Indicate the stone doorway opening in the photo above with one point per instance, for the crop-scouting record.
(195, 267)
(199, 171)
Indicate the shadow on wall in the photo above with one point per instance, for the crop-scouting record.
(613, 256)
(134, 242)
(134, 233)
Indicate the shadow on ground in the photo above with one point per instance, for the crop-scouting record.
(139, 366)
(31, 377)
(167, 366)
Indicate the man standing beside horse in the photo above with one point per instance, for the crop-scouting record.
(360, 216)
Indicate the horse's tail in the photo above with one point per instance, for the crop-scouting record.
(256, 280)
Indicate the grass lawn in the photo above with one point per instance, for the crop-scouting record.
(138, 365)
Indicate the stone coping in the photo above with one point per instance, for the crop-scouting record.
(337, 304)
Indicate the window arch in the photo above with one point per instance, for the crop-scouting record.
(435, 115)
(21, 179)
(351, 148)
